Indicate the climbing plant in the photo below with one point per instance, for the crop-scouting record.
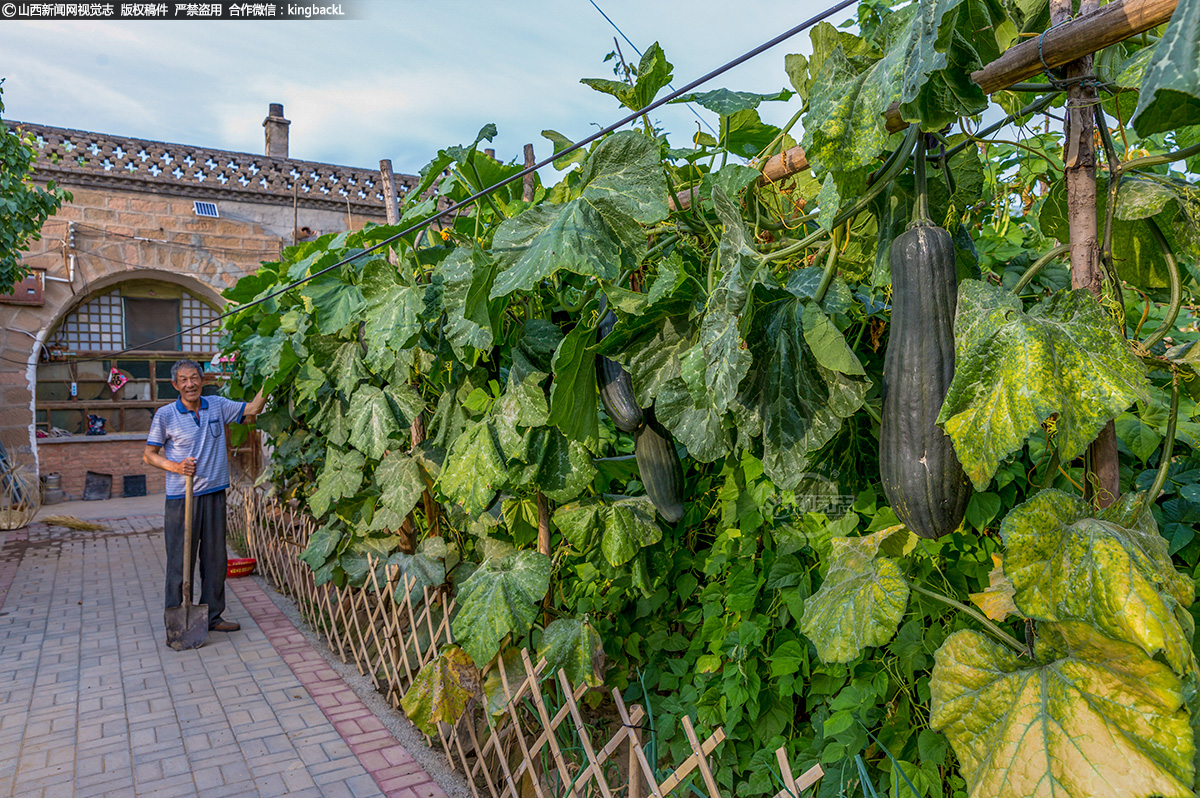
(632, 419)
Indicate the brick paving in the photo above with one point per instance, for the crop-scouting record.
(93, 703)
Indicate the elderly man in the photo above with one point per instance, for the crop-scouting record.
(187, 437)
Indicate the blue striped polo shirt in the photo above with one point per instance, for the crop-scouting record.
(183, 433)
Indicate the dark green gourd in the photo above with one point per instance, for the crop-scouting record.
(922, 478)
(660, 469)
(616, 388)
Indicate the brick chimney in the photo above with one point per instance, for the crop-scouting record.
(277, 132)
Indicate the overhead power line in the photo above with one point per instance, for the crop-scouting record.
(457, 206)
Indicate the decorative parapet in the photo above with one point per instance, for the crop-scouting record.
(79, 158)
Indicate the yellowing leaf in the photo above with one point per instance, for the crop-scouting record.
(862, 599)
(997, 601)
(1015, 369)
(1107, 569)
(1096, 718)
(441, 690)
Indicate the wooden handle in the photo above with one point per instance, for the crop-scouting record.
(187, 540)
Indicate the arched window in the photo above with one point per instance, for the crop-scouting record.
(146, 316)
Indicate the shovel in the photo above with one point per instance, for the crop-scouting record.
(187, 624)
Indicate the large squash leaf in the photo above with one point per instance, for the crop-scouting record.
(1093, 718)
(336, 303)
(624, 525)
(1170, 93)
(799, 399)
(863, 597)
(573, 404)
(466, 277)
(925, 65)
(341, 477)
(548, 461)
(1137, 257)
(372, 421)
(475, 468)
(595, 233)
(424, 568)
(499, 599)
(442, 690)
(1068, 563)
(574, 646)
(1015, 369)
(393, 311)
(996, 600)
(400, 484)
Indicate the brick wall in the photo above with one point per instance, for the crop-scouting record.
(103, 455)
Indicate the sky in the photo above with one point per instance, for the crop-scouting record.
(408, 78)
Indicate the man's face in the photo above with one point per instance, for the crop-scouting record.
(189, 384)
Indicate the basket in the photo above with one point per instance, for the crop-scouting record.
(241, 566)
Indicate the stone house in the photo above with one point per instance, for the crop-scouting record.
(154, 233)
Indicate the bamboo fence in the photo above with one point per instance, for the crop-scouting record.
(539, 743)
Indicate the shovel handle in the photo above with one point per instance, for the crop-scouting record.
(187, 540)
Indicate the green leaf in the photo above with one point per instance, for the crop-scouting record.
(629, 526)
(726, 102)
(828, 203)
(574, 646)
(1014, 369)
(341, 477)
(466, 277)
(336, 303)
(861, 600)
(625, 525)
(1135, 252)
(346, 368)
(393, 311)
(475, 469)
(1093, 717)
(726, 360)
(1068, 563)
(321, 545)
(924, 66)
(558, 467)
(372, 421)
(1141, 438)
(597, 232)
(800, 402)
(653, 72)
(573, 402)
(441, 690)
(400, 483)
(309, 380)
(1170, 93)
(499, 599)
(425, 568)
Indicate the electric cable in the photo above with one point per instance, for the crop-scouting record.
(450, 209)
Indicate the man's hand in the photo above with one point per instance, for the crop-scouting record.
(186, 466)
(255, 406)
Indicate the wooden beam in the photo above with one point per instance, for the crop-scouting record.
(1061, 44)
(778, 167)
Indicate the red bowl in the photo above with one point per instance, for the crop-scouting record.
(241, 566)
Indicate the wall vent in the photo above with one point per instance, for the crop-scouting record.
(208, 209)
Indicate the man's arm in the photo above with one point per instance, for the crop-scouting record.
(153, 456)
(254, 407)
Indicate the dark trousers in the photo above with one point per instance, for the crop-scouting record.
(208, 549)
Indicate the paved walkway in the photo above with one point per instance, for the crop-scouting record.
(92, 702)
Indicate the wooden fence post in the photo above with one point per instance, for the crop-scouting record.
(1079, 158)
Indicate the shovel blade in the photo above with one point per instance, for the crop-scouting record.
(187, 626)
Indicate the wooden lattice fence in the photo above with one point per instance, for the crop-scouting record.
(538, 744)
